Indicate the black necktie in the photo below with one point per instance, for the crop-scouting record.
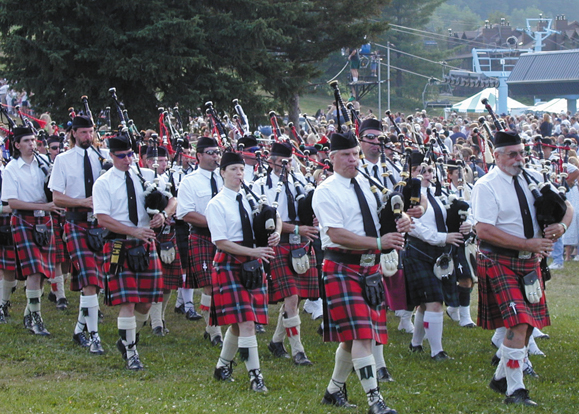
(133, 215)
(213, 185)
(376, 175)
(245, 223)
(291, 205)
(88, 177)
(525, 213)
(440, 226)
(369, 226)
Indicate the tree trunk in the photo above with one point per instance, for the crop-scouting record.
(294, 110)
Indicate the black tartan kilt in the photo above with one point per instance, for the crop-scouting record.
(422, 285)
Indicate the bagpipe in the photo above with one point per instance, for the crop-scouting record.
(156, 199)
(106, 163)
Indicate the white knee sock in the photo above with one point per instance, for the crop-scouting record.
(156, 313)
(248, 352)
(33, 297)
(229, 349)
(187, 295)
(419, 332)
(292, 330)
(279, 333)
(91, 304)
(513, 359)
(365, 368)
(378, 352)
(433, 323)
(342, 368)
(128, 333)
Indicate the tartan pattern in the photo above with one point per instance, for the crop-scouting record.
(349, 317)
(62, 255)
(231, 301)
(422, 286)
(7, 253)
(201, 254)
(86, 265)
(30, 258)
(129, 287)
(498, 287)
(284, 282)
(173, 272)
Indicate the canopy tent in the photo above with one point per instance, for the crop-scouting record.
(474, 104)
(557, 105)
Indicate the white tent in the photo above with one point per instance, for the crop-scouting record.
(557, 105)
(474, 104)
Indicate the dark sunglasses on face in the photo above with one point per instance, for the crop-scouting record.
(212, 152)
(123, 156)
(372, 136)
(54, 148)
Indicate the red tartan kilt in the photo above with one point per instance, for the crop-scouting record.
(30, 258)
(201, 254)
(7, 253)
(349, 317)
(130, 287)
(62, 255)
(498, 287)
(172, 272)
(231, 301)
(86, 265)
(286, 283)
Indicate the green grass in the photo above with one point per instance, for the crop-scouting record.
(52, 375)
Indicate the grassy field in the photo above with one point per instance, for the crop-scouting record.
(52, 375)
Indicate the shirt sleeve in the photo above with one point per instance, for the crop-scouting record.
(216, 221)
(484, 206)
(326, 210)
(186, 201)
(101, 198)
(57, 177)
(9, 186)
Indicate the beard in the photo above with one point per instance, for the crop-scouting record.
(85, 144)
(514, 169)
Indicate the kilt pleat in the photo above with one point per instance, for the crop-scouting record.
(30, 258)
(87, 266)
(284, 282)
(201, 254)
(501, 298)
(349, 317)
(7, 253)
(62, 254)
(231, 302)
(130, 287)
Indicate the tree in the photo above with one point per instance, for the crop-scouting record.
(160, 53)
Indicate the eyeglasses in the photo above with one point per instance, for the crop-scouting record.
(123, 156)
(212, 152)
(513, 154)
(372, 136)
(429, 170)
(54, 148)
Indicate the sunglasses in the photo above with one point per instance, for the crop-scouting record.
(212, 152)
(123, 156)
(54, 148)
(372, 136)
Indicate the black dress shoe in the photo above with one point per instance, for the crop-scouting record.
(499, 386)
(101, 316)
(134, 363)
(339, 398)
(224, 373)
(2, 318)
(495, 360)
(95, 347)
(415, 348)
(216, 341)
(5, 309)
(520, 396)
(62, 304)
(320, 330)
(441, 356)
(180, 309)
(192, 315)
(301, 359)
(380, 407)
(382, 375)
(52, 297)
(278, 350)
(259, 328)
(158, 331)
(530, 372)
(256, 381)
(28, 321)
(81, 340)
(38, 327)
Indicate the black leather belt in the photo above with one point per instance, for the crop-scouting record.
(491, 248)
(113, 236)
(77, 216)
(352, 259)
(202, 231)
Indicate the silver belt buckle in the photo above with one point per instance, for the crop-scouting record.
(90, 217)
(167, 230)
(295, 239)
(525, 255)
(367, 260)
(39, 213)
